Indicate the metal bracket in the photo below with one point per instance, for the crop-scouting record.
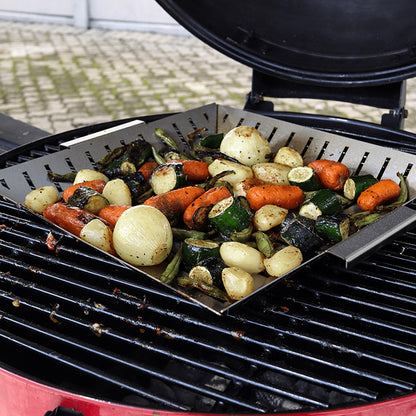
(390, 96)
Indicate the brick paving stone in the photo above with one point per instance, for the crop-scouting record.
(59, 77)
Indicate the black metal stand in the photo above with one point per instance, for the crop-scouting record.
(390, 96)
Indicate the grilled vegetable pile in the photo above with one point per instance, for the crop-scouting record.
(227, 210)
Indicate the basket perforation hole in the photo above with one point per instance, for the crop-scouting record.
(4, 184)
(107, 148)
(241, 121)
(122, 142)
(257, 126)
(289, 139)
(307, 145)
(180, 135)
(91, 159)
(408, 169)
(55, 183)
(383, 168)
(28, 179)
(70, 165)
(323, 149)
(223, 119)
(191, 122)
(271, 135)
(343, 153)
(361, 164)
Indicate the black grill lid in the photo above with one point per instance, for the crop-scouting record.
(320, 42)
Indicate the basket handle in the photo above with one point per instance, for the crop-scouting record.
(370, 238)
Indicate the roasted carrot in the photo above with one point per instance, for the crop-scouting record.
(331, 174)
(208, 198)
(69, 218)
(194, 169)
(98, 185)
(285, 196)
(379, 193)
(148, 168)
(111, 213)
(173, 203)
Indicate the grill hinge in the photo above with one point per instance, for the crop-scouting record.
(388, 96)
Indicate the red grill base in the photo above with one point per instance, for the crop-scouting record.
(20, 396)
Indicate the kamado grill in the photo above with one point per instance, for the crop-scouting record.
(84, 334)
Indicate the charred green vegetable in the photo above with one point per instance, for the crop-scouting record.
(195, 250)
(209, 270)
(334, 228)
(125, 159)
(299, 231)
(88, 199)
(229, 216)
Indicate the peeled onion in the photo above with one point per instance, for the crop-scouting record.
(246, 144)
(143, 236)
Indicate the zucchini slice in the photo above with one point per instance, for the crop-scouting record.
(299, 231)
(209, 270)
(334, 228)
(356, 184)
(323, 201)
(228, 215)
(89, 199)
(304, 177)
(195, 250)
(167, 177)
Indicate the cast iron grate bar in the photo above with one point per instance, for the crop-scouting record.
(197, 343)
(45, 276)
(142, 368)
(84, 368)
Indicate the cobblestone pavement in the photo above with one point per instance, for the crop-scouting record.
(58, 78)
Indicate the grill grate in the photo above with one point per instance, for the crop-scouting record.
(75, 319)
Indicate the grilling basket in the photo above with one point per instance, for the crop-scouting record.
(380, 162)
(82, 330)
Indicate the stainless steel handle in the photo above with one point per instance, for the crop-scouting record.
(367, 240)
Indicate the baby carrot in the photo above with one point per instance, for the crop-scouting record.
(71, 219)
(148, 168)
(331, 174)
(210, 197)
(173, 203)
(285, 196)
(111, 213)
(379, 193)
(194, 169)
(98, 185)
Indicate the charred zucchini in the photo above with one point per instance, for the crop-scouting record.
(209, 270)
(333, 228)
(323, 201)
(89, 199)
(229, 216)
(304, 177)
(167, 177)
(125, 159)
(195, 250)
(299, 231)
(356, 184)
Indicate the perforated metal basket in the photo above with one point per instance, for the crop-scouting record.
(359, 157)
